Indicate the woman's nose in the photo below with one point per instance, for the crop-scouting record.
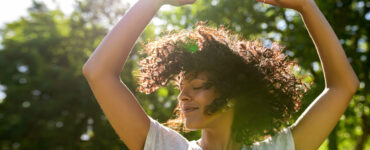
(184, 95)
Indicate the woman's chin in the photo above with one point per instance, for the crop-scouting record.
(192, 125)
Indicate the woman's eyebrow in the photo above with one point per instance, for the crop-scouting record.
(193, 80)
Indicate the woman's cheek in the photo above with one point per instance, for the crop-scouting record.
(206, 97)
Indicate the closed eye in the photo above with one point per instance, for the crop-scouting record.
(195, 88)
(198, 88)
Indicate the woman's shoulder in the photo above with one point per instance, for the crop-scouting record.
(162, 137)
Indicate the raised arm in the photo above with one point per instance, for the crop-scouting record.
(109, 57)
(341, 82)
(103, 68)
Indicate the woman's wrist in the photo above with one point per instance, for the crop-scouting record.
(156, 3)
(307, 6)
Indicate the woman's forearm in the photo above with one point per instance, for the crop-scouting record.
(110, 56)
(337, 70)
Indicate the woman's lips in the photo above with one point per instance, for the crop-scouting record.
(190, 110)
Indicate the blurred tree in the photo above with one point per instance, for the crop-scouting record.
(47, 98)
(349, 19)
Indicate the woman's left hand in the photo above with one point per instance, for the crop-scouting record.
(293, 4)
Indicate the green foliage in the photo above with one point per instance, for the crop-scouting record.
(190, 46)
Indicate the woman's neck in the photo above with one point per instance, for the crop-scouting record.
(218, 137)
(213, 142)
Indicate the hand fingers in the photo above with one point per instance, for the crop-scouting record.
(271, 2)
(183, 2)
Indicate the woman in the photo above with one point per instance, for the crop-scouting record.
(204, 102)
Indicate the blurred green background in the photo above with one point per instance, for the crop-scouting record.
(46, 103)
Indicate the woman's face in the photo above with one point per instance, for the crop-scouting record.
(193, 98)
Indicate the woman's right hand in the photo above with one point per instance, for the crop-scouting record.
(177, 2)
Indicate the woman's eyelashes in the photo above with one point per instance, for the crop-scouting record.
(197, 88)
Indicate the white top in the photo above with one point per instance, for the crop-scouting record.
(161, 137)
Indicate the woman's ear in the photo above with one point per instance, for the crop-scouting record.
(231, 102)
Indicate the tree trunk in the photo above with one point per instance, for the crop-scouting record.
(361, 141)
(332, 140)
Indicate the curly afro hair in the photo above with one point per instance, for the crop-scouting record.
(259, 79)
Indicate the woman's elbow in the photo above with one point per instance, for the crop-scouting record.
(356, 85)
(86, 71)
